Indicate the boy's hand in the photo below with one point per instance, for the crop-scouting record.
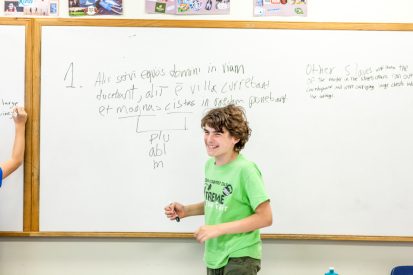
(207, 232)
(19, 115)
(174, 210)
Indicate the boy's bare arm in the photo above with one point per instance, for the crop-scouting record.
(176, 209)
(194, 209)
(19, 117)
(261, 218)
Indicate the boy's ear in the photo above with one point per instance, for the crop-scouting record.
(235, 140)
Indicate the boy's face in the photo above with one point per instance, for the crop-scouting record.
(219, 144)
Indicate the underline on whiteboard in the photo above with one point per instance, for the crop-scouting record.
(179, 113)
(121, 117)
(163, 129)
(170, 113)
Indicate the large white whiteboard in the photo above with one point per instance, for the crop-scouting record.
(12, 79)
(331, 115)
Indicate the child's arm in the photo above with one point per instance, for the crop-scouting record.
(261, 218)
(175, 209)
(19, 117)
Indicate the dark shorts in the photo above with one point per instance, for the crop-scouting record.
(238, 266)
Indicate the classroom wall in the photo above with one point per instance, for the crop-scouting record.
(126, 256)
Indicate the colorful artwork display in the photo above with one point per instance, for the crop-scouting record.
(95, 7)
(184, 7)
(31, 7)
(280, 7)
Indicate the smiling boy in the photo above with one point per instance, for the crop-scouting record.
(236, 204)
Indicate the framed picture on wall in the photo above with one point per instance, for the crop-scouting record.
(188, 7)
(95, 7)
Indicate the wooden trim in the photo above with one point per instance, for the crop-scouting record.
(36, 72)
(15, 21)
(338, 237)
(14, 234)
(227, 24)
(182, 235)
(188, 235)
(27, 23)
(31, 215)
(28, 163)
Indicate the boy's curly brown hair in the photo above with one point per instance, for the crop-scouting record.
(232, 118)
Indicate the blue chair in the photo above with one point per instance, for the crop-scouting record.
(402, 270)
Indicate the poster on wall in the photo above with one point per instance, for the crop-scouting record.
(188, 7)
(95, 7)
(280, 7)
(31, 8)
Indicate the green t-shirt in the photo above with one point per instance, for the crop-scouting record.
(232, 192)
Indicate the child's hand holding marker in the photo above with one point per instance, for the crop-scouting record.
(174, 211)
(19, 115)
